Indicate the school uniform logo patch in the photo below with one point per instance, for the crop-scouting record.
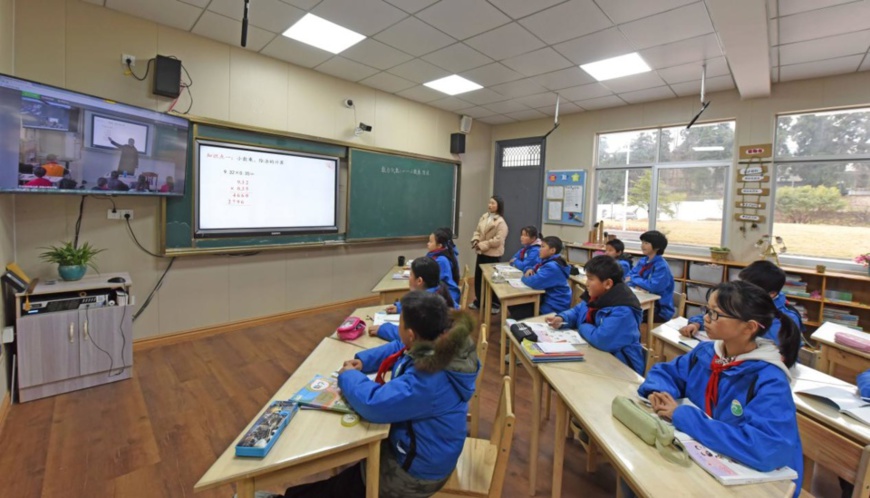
(736, 408)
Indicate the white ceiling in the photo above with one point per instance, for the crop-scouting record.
(524, 52)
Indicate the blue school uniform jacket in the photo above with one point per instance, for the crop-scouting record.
(864, 384)
(625, 265)
(551, 276)
(446, 273)
(527, 257)
(754, 421)
(615, 327)
(425, 401)
(658, 280)
(773, 333)
(431, 290)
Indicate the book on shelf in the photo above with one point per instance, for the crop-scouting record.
(322, 393)
(841, 317)
(838, 296)
(260, 438)
(727, 471)
(846, 402)
(546, 352)
(802, 310)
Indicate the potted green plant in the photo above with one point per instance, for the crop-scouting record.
(72, 262)
(719, 253)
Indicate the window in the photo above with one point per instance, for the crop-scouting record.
(521, 155)
(822, 189)
(669, 179)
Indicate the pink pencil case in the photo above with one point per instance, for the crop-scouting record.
(351, 328)
(852, 341)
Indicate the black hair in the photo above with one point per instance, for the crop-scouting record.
(424, 313)
(114, 174)
(430, 272)
(655, 239)
(554, 242)
(39, 171)
(530, 231)
(444, 236)
(604, 267)
(101, 181)
(764, 274)
(500, 204)
(747, 301)
(617, 245)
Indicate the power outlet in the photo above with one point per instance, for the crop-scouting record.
(125, 57)
(120, 214)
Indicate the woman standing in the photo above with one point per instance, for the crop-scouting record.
(488, 243)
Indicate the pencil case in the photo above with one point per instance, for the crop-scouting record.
(351, 328)
(852, 341)
(649, 428)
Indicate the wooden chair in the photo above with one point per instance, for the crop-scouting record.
(474, 405)
(465, 287)
(679, 303)
(646, 338)
(483, 463)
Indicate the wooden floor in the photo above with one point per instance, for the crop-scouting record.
(154, 435)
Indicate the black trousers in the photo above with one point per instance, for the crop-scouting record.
(478, 277)
(347, 484)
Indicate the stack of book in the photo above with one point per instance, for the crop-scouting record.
(841, 317)
(794, 286)
(802, 310)
(547, 352)
(836, 296)
(322, 393)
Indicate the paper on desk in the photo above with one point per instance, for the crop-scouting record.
(503, 268)
(546, 333)
(556, 347)
(381, 317)
(517, 283)
(678, 322)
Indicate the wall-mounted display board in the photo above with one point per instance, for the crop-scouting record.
(565, 197)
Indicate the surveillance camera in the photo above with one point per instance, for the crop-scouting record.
(364, 127)
(348, 103)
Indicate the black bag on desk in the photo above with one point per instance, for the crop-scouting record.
(522, 331)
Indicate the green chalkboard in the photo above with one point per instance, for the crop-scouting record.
(399, 196)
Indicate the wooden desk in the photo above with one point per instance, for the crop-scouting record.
(364, 341)
(833, 354)
(647, 303)
(390, 289)
(578, 286)
(509, 296)
(314, 441)
(667, 344)
(641, 466)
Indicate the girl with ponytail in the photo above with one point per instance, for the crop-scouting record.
(442, 250)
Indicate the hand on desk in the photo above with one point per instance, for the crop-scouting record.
(554, 321)
(689, 330)
(512, 260)
(663, 404)
(373, 330)
(391, 309)
(351, 365)
(530, 272)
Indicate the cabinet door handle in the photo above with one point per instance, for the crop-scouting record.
(85, 331)
(71, 332)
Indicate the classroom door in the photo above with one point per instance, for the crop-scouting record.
(519, 180)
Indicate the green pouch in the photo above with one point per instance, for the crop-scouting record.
(651, 429)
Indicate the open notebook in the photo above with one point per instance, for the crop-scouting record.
(848, 403)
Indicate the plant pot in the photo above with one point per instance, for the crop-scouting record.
(71, 273)
(719, 255)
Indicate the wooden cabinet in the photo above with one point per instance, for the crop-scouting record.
(62, 351)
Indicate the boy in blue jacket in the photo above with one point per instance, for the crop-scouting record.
(615, 248)
(653, 274)
(426, 402)
(443, 251)
(769, 277)
(609, 314)
(550, 274)
(528, 255)
(739, 383)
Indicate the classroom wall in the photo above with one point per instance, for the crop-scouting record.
(77, 45)
(573, 144)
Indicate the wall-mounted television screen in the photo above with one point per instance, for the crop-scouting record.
(58, 141)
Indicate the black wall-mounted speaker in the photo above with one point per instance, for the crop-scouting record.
(457, 143)
(167, 76)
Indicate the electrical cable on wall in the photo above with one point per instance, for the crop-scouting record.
(147, 69)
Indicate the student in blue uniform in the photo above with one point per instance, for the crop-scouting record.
(738, 382)
(433, 367)
(653, 274)
(609, 316)
(550, 274)
(443, 251)
(615, 249)
(528, 255)
(769, 277)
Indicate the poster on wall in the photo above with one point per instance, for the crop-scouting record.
(565, 197)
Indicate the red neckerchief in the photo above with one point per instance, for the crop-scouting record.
(590, 311)
(542, 263)
(711, 397)
(523, 251)
(387, 364)
(645, 267)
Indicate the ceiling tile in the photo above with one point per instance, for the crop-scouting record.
(506, 41)
(692, 88)
(519, 88)
(457, 58)
(346, 69)
(366, 17)
(692, 71)
(419, 71)
(463, 18)
(539, 100)
(824, 48)
(174, 14)
(820, 68)
(491, 74)
(450, 104)
(789, 7)
(198, 3)
(648, 95)
(774, 56)
(634, 82)
(421, 94)
(415, 37)
(271, 15)
(540, 61)
(678, 24)
(302, 4)
(564, 78)
(584, 92)
(564, 108)
(673, 54)
(483, 96)
(224, 29)
(411, 6)
(773, 31)
(477, 112)
(388, 82)
(566, 21)
(825, 22)
(498, 119)
(601, 103)
(376, 54)
(595, 47)
(522, 8)
(622, 11)
(295, 52)
(774, 75)
(526, 115)
(506, 107)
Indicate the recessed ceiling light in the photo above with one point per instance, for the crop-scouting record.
(453, 85)
(323, 34)
(708, 148)
(616, 67)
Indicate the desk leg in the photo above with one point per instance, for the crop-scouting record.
(503, 340)
(245, 488)
(373, 470)
(481, 300)
(547, 396)
(825, 364)
(809, 470)
(537, 305)
(559, 446)
(537, 385)
(651, 318)
(512, 373)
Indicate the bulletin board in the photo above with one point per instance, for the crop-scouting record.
(565, 197)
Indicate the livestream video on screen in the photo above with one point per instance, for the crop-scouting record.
(70, 143)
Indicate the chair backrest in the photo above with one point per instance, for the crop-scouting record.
(465, 287)
(679, 303)
(502, 437)
(465, 272)
(474, 403)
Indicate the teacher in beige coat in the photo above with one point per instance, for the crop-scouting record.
(488, 243)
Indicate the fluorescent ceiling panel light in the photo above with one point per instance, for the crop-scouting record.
(325, 35)
(616, 67)
(453, 85)
(709, 148)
